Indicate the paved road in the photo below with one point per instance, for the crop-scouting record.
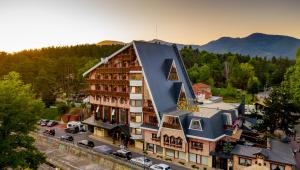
(85, 135)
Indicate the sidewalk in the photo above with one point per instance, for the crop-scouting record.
(166, 160)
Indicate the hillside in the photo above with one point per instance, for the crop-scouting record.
(110, 42)
(256, 44)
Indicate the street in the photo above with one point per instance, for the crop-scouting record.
(59, 131)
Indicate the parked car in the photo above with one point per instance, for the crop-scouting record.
(142, 161)
(44, 122)
(72, 130)
(67, 138)
(86, 143)
(52, 123)
(160, 167)
(104, 149)
(50, 132)
(123, 153)
(74, 124)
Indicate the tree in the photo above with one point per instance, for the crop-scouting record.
(292, 80)
(253, 85)
(19, 112)
(280, 110)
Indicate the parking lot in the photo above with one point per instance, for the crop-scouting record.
(59, 131)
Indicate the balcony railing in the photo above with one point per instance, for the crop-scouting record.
(172, 126)
(135, 68)
(156, 139)
(109, 93)
(113, 70)
(112, 82)
(148, 109)
(197, 148)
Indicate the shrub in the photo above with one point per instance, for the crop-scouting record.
(182, 163)
(195, 166)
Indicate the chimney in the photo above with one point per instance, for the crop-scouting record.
(269, 145)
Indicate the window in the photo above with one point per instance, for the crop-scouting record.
(204, 160)
(136, 117)
(228, 119)
(136, 89)
(106, 112)
(122, 116)
(166, 139)
(192, 157)
(136, 76)
(136, 131)
(136, 103)
(277, 167)
(196, 125)
(245, 162)
(196, 145)
(150, 147)
(173, 73)
(153, 119)
(154, 136)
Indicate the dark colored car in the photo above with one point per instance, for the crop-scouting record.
(50, 132)
(67, 138)
(86, 143)
(123, 153)
(51, 123)
(72, 130)
(44, 122)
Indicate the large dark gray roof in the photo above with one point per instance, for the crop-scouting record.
(279, 152)
(155, 60)
(212, 127)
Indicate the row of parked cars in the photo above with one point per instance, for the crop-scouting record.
(48, 123)
(124, 154)
(121, 153)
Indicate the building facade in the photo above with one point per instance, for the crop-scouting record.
(142, 94)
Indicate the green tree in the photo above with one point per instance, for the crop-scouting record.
(253, 85)
(280, 111)
(19, 112)
(292, 80)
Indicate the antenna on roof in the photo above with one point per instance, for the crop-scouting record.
(156, 31)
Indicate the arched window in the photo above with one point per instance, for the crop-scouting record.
(166, 139)
(172, 140)
(179, 141)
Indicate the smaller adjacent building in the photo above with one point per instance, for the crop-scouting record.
(278, 156)
(202, 91)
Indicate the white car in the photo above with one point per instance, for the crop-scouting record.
(142, 161)
(73, 124)
(160, 167)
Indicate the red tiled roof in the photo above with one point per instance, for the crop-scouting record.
(199, 86)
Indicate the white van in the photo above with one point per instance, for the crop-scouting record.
(76, 124)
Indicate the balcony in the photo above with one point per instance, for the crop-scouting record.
(135, 136)
(148, 109)
(135, 68)
(197, 148)
(171, 126)
(136, 96)
(109, 93)
(113, 70)
(135, 109)
(136, 83)
(110, 82)
(156, 139)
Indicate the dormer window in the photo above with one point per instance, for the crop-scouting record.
(173, 73)
(228, 119)
(196, 124)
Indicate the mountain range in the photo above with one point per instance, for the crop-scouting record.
(256, 44)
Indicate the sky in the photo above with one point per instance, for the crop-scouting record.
(28, 24)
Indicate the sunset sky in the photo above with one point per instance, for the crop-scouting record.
(41, 23)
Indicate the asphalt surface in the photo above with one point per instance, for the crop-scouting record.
(59, 131)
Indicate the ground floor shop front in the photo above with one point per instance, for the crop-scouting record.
(179, 155)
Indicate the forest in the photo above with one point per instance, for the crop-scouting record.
(57, 71)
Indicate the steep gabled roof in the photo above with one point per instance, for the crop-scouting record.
(155, 60)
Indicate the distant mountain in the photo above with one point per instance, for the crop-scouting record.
(256, 44)
(110, 42)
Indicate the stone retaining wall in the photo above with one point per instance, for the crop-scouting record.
(104, 161)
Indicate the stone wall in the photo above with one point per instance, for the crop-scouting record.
(105, 161)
